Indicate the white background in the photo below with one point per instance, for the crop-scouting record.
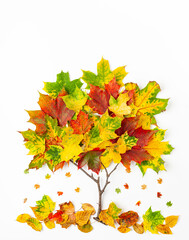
(38, 39)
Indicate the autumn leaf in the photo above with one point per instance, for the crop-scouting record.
(169, 204)
(68, 174)
(112, 88)
(43, 208)
(88, 207)
(60, 193)
(138, 203)
(62, 83)
(143, 187)
(106, 218)
(56, 108)
(171, 221)
(127, 218)
(82, 124)
(35, 224)
(152, 220)
(159, 194)
(119, 106)
(34, 142)
(22, 218)
(99, 99)
(75, 100)
(126, 186)
(138, 228)
(25, 200)
(118, 190)
(86, 228)
(36, 186)
(123, 229)
(82, 217)
(113, 210)
(37, 117)
(92, 159)
(77, 189)
(164, 229)
(48, 176)
(145, 101)
(160, 180)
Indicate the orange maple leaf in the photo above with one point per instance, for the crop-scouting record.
(68, 174)
(59, 193)
(36, 186)
(77, 189)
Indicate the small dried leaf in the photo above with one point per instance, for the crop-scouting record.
(164, 229)
(77, 189)
(48, 176)
(68, 174)
(36, 186)
(49, 224)
(126, 186)
(160, 180)
(138, 203)
(88, 207)
(118, 190)
(138, 228)
(159, 194)
(171, 221)
(25, 200)
(59, 193)
(123, 229)
(35, 224)
(143, 187)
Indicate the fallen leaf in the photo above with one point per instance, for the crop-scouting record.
(123, 229)
(106, 218)
(160, 180)
(25, 200)
(159, 194)
(113, 210)
(164, 229)
(22, 218)
(48, 176)
(144, 186)
(68, 174)
(88, 207)
(127, 218)
(35, 224)
(36, 186)
(77, 189)
(171, 221)
(169, 204)
(49, 224)
(82, 217)
(138, 228)
(60, 193)
(138, 203)
(126, 186)
(86, 227)
(118, 190)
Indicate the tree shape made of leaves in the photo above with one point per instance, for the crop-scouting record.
(105, 123)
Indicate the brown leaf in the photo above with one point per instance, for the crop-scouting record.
(171, 221)
(138, 228)
(164, 229)
(67, 208)
(88, 207)
(25, 200)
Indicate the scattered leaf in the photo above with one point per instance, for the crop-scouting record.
(106, 218)
(160, 180)
(126, 186)
(164, 229)
(77, 189)
(60, 193)
(82, 217)
(86, 227)
(138, 203)
(25, 200)
(118, 190)
(35, 224)
(23, 218)
(171, 221)
(48, 176)
(88, 207)
(159, 194)
(169, 204)
(123, 229)
(68, 174)
(36, 186)
(143, 187)
(138, 228)
(127, 218)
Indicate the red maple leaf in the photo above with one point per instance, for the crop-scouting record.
(159, 194)
(112, 88)
(99, 99)
(38, 118)
(91, 158)
(59, 193)
(82, 124)
(126, 186)
(55, 108)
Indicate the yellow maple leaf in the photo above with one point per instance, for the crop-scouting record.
(119, 106)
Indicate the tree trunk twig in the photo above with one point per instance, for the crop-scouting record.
(100, 190)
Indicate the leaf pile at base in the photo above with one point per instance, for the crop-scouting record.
(111, 123)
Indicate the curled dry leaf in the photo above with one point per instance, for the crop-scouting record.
(123, 229)
(82, 217)
(138, 228)
(171, 221)
(88, 207)
(85, 228)
(143, 187)
(25, 200)
(165, 229)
